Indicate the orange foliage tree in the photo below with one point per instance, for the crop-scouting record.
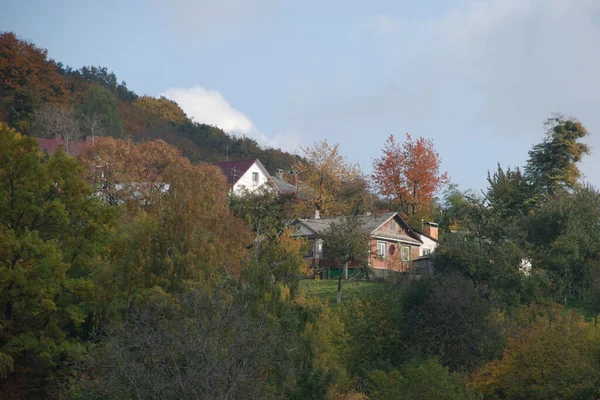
(176, 213)
(409, 174)
(27, 79)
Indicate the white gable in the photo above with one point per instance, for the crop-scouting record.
(255, 177)
(428, 245)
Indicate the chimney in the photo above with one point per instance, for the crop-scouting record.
(294, 177)
(315, 215)
(279, 174)
(431, 230)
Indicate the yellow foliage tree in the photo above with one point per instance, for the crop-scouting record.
(327, 182)
(556, 357)
(162, 107)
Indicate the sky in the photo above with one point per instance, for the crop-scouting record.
(478, 77)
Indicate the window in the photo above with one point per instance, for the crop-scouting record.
(310, 250)
(255, 177)
(382, 249)
(405, 253)
(426, 251)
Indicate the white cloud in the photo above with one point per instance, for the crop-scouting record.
(211, 108)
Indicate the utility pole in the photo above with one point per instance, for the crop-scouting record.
(227, 153)
(232, 178)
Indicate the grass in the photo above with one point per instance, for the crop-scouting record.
(326, 289)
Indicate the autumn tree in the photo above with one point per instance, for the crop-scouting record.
(176, 214)
(556, 357)
(161, 107)
(27, 80)
(324, 175)
(52, 234)
(409, 174)
(552, 164)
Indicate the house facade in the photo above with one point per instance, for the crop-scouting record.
(245, 175)
(429, 237)
(393, 244)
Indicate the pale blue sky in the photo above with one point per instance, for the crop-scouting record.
(476, 76)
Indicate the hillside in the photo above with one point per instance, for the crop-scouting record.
(37, 92)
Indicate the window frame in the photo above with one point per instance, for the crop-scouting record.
(380, 245)
(405, 253)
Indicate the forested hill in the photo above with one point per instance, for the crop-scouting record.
(41, 97)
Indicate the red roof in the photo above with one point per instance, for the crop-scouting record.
(51, 145)
(240, 167)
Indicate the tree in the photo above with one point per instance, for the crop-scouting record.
(323, 177)
(409, 173)
(51, 121)
(552, 164)
(346, 242)
(203, 345)
(445, 317)
(27, 80)
(161, 107)
(555, 357)
(52, 233)
(426, 380)
(509, 193)
(179, 228)
(99, 110)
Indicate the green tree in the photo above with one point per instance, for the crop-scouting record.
(552, 164)
(416, 381)
(100, 110)
(51, 235)
(509, 193)
(346, 242)
(446, 318)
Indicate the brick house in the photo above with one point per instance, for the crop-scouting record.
(393, 244)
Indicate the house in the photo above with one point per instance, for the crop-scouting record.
(393, 243)
(429, 237)
(245, 175)
(74, 148)
(251, 174)
(283, 186)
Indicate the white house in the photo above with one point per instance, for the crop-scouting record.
(429, 237)
(245, 175)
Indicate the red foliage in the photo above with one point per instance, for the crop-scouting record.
(409, 173)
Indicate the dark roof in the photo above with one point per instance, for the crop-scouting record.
(369, 223)
(51, 146)
(240, 167)
(283, 186)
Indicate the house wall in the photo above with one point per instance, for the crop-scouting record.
(427, 244)
(392, 261)
(245, 182)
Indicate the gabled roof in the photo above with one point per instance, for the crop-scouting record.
(233, 170)
(369, 223)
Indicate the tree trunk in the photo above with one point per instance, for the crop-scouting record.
(339, 291)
